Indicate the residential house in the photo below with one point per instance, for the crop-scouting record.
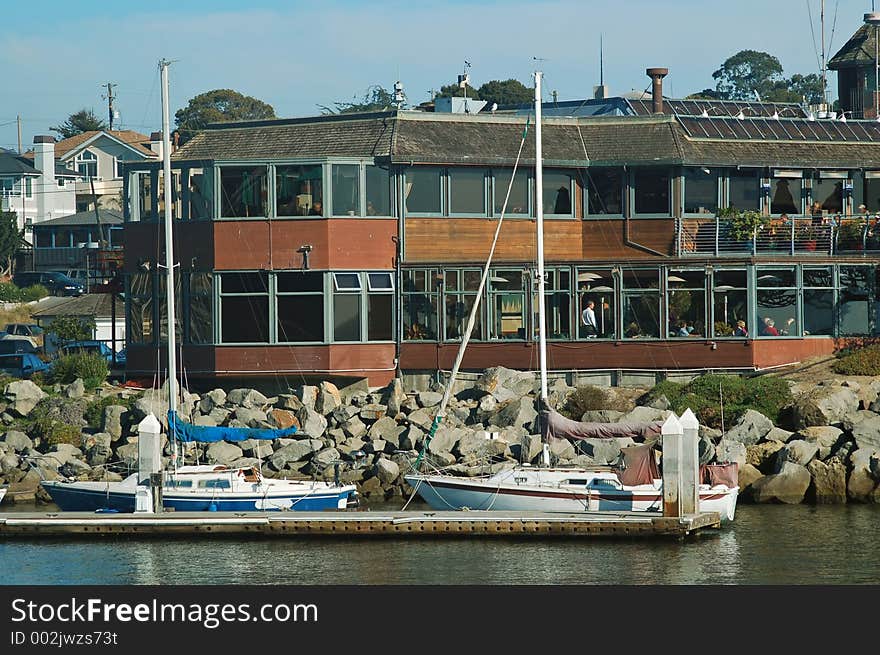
(88, 240)
(106, 310)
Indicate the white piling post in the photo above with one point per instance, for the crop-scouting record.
(671, 433)
(149, 464)
(690, 463)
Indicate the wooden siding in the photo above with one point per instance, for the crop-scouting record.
(467, 240)
(359, 244)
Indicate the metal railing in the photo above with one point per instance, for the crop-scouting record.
(792, 236)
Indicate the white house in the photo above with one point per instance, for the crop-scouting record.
(109, 320)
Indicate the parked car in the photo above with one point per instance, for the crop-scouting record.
(92, 346)
(30, 331)
(22, 365)
(14, 346)
(58, 284)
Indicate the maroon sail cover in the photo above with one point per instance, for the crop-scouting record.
(556, 425)
(639, 465)
(713, 474)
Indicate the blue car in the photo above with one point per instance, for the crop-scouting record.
(22, 365)
(95, 347)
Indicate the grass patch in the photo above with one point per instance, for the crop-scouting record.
(858, 361)
(765, 394)
(91, 368)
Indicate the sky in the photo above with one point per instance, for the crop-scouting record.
(57, 56)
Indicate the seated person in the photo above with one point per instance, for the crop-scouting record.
(317, 209)
(769, 329)
(740, 329)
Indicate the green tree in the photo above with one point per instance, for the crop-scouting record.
(705, 94)
(747, 72)
(82, 121)
(506, 92)
(807, 87)
(456, 91)
(377, 98)
(72, 328)
(10, 238)
(219, 106)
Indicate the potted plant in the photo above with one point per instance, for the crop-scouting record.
(850, 235)
(743, 225)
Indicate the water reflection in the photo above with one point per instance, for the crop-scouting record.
(768, 544)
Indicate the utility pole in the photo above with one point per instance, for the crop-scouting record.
(109, 98)
(18, 119)
(824, 70)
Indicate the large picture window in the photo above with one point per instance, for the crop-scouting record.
(200, 323)
(651, 193)
(730, 303)
(423, 190)
(557, 303)
(818, 300)
(605, 191)
(421, 303)
(641, 304)
(244, 307)
(299, 190)
(743, 190)
(686, 303)
(243, 191)
(299, 303)
(777, 302)
(140, 309)
(786, 195)
(507, 301)
(460, 292)
(346, 307)
(558, 193)
(378, 183)
(380, 307)
(596, 285)
(467, 191)
(700, 191)
(345, 187)
(518, 201)
(854, 304)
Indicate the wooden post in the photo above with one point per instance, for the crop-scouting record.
(690, 463)
(157, 484)
(672, 436)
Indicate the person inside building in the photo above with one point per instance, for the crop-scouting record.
(588, 319)
(317, 209)
(769, 329)
(740, 330)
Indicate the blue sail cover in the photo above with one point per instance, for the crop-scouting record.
(188, 432)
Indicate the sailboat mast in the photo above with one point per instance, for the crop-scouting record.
(169, 251)
(539, 212)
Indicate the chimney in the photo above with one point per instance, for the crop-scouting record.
(657, 75)
(156, 143)
(44, 161)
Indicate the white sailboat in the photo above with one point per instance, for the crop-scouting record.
(199, 487)
(637, 487)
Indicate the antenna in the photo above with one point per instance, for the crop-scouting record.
(463, 80)
(601, 63)
(109, 99)
(399, 95)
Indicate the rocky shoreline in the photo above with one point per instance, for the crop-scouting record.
(826, 449)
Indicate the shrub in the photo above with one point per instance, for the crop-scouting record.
(11, 293)
(56, 420)
(587, 398)
(92, 368)
(704, 395)
(858, 361)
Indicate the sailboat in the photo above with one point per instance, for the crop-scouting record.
(199, 487)
(635, 486)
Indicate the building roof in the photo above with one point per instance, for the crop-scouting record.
(94, 305)
(130, 138)
(106, 216)
(858, 51)
(13, 164)
(692, 132)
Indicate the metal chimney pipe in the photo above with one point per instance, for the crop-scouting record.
(657, 75)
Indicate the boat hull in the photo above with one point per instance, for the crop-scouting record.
(72, 498)
(448, 492)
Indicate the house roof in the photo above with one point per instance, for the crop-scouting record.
(764, 136)
(858, 51)
(95, 305)
(13, 164)
(106, 216)
(130, 138)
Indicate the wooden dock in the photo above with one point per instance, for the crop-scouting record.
(347, 523)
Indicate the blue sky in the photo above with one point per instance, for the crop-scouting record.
(298, 56)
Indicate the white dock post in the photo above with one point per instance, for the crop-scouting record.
(690, 463)
(149, 464)
(672, 437)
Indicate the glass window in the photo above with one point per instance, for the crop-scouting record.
(380, 282)
(244, 307)
(140, 309)
(651, 191)
(344, 180)
(518, 202)
(28, 188)
(743, 190)
(557, 193)
(87, 164)
(420, 299)
(730, 304)
(200, 198)
(828, 193)
(243, 191)
(596, 285)
(605, 191)
(460, 289)
(346, 316)
(380, 307)
(785, 195)
(686, 303)
(300, 306)
(145, 196)
(507, 302)
(200, 321)
(700, 191)
(347, 281)
(557, 303)
(871, 197)
(854, 300)
(777, 302)
(162, 308)
(43, 238)
(378, 191)
(299, 190)
(423, 190)
(641, 304)
(467, 191)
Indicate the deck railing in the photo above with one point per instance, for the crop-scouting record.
(793, 236)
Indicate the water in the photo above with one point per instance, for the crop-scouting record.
(767, 545)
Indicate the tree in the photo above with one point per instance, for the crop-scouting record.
(377, 98)
(507, 92)
(72, 328)
(705, 94)
(806, 86)
(82, 121)
(219, 106)
(10, 238)
(747, 72)
(456, 91)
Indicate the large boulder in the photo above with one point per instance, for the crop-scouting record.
(246, 398)
(866, 432)
(23, 396)
(328, 398)
(212, 399)
(387, 471)
(788, 486)
(519, 413)
(293, 452)
(112, 421)
(746, 477)
(763, 455)
(864, 477)
(505, 383)
(97, 447)
(824, 436)
(731, 451)
(18, 441)
(312, 422)
(797, 451)
(829, 481)
(750, 428)
(824, 404)
(221, 452)
(603, 451)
